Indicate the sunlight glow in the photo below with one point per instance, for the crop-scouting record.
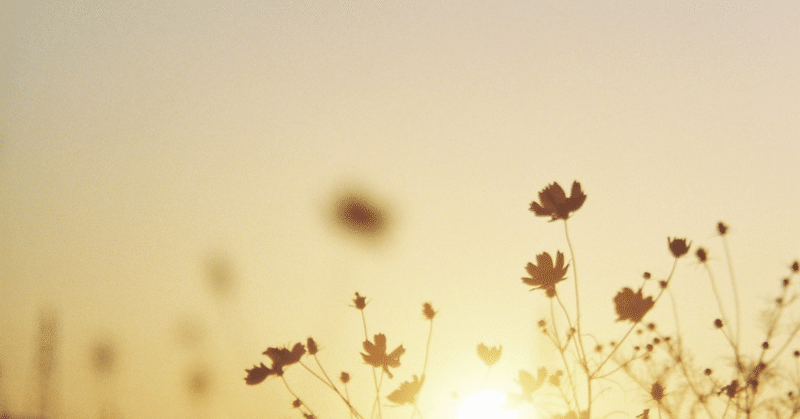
(485, 404)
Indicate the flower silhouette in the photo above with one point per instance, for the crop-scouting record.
(632, 306)
(545, 275)
(489, 356)
(407, 392)
(678, 247)
(360, 301)
(427, 311)
(281, 357)
(553, 202)
(377, 357)
(257, 374)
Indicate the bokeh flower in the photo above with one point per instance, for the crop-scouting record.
(554, 203)
(407, 392)
(545, 275)
(489, 356)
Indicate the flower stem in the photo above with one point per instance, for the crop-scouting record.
(295, 395)
(735, 291)
(582, 352)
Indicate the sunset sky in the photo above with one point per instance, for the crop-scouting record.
(141, 142)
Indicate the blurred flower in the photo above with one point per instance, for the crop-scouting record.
(722, 228)
(555, 379)
(632, 306)
(646, 275)
(795, 266)
(407, 392)
(678, 247)
(360, 301)
(489, 356)
(529, 384)
(546, 275)
(657, 392)
(345, 377)
(377, 357)
(701, 254)
(297, 403)
(553, 202)
(731, 389)
(427, 310)
(718, 323)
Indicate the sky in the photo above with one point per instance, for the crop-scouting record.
(141, 143)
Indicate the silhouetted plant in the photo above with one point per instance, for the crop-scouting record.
(375, 355)
(752, 386)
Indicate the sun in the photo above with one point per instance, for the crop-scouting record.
(485, 404)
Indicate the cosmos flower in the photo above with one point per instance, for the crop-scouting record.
(427, 311)
(678, 247)
(360, 301)
(489, 356)
(632, 306)
(257, 374)
(545, 275)
(281, 357)
(407, 392)
(553, 202)
(377, 357)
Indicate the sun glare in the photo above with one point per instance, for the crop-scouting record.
(485, 404)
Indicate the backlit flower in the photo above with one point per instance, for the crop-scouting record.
(377, 357)
(360, 301)
(427, 311)
(545, 275)
(407, 392)
(489, 356)
(678, 247)
(554, 203)
(632, 306)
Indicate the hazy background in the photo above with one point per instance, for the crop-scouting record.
(142, 141)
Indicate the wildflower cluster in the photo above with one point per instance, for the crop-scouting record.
(375, 355)
(658, 363)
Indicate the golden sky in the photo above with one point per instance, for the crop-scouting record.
(142, 140)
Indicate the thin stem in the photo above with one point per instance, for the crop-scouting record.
(295, 396)
(735, 291)
(733, 339)
(374, 377)
(330, 384)
(563, 357)
(582, 352)
(633, 326)
(427, 349)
